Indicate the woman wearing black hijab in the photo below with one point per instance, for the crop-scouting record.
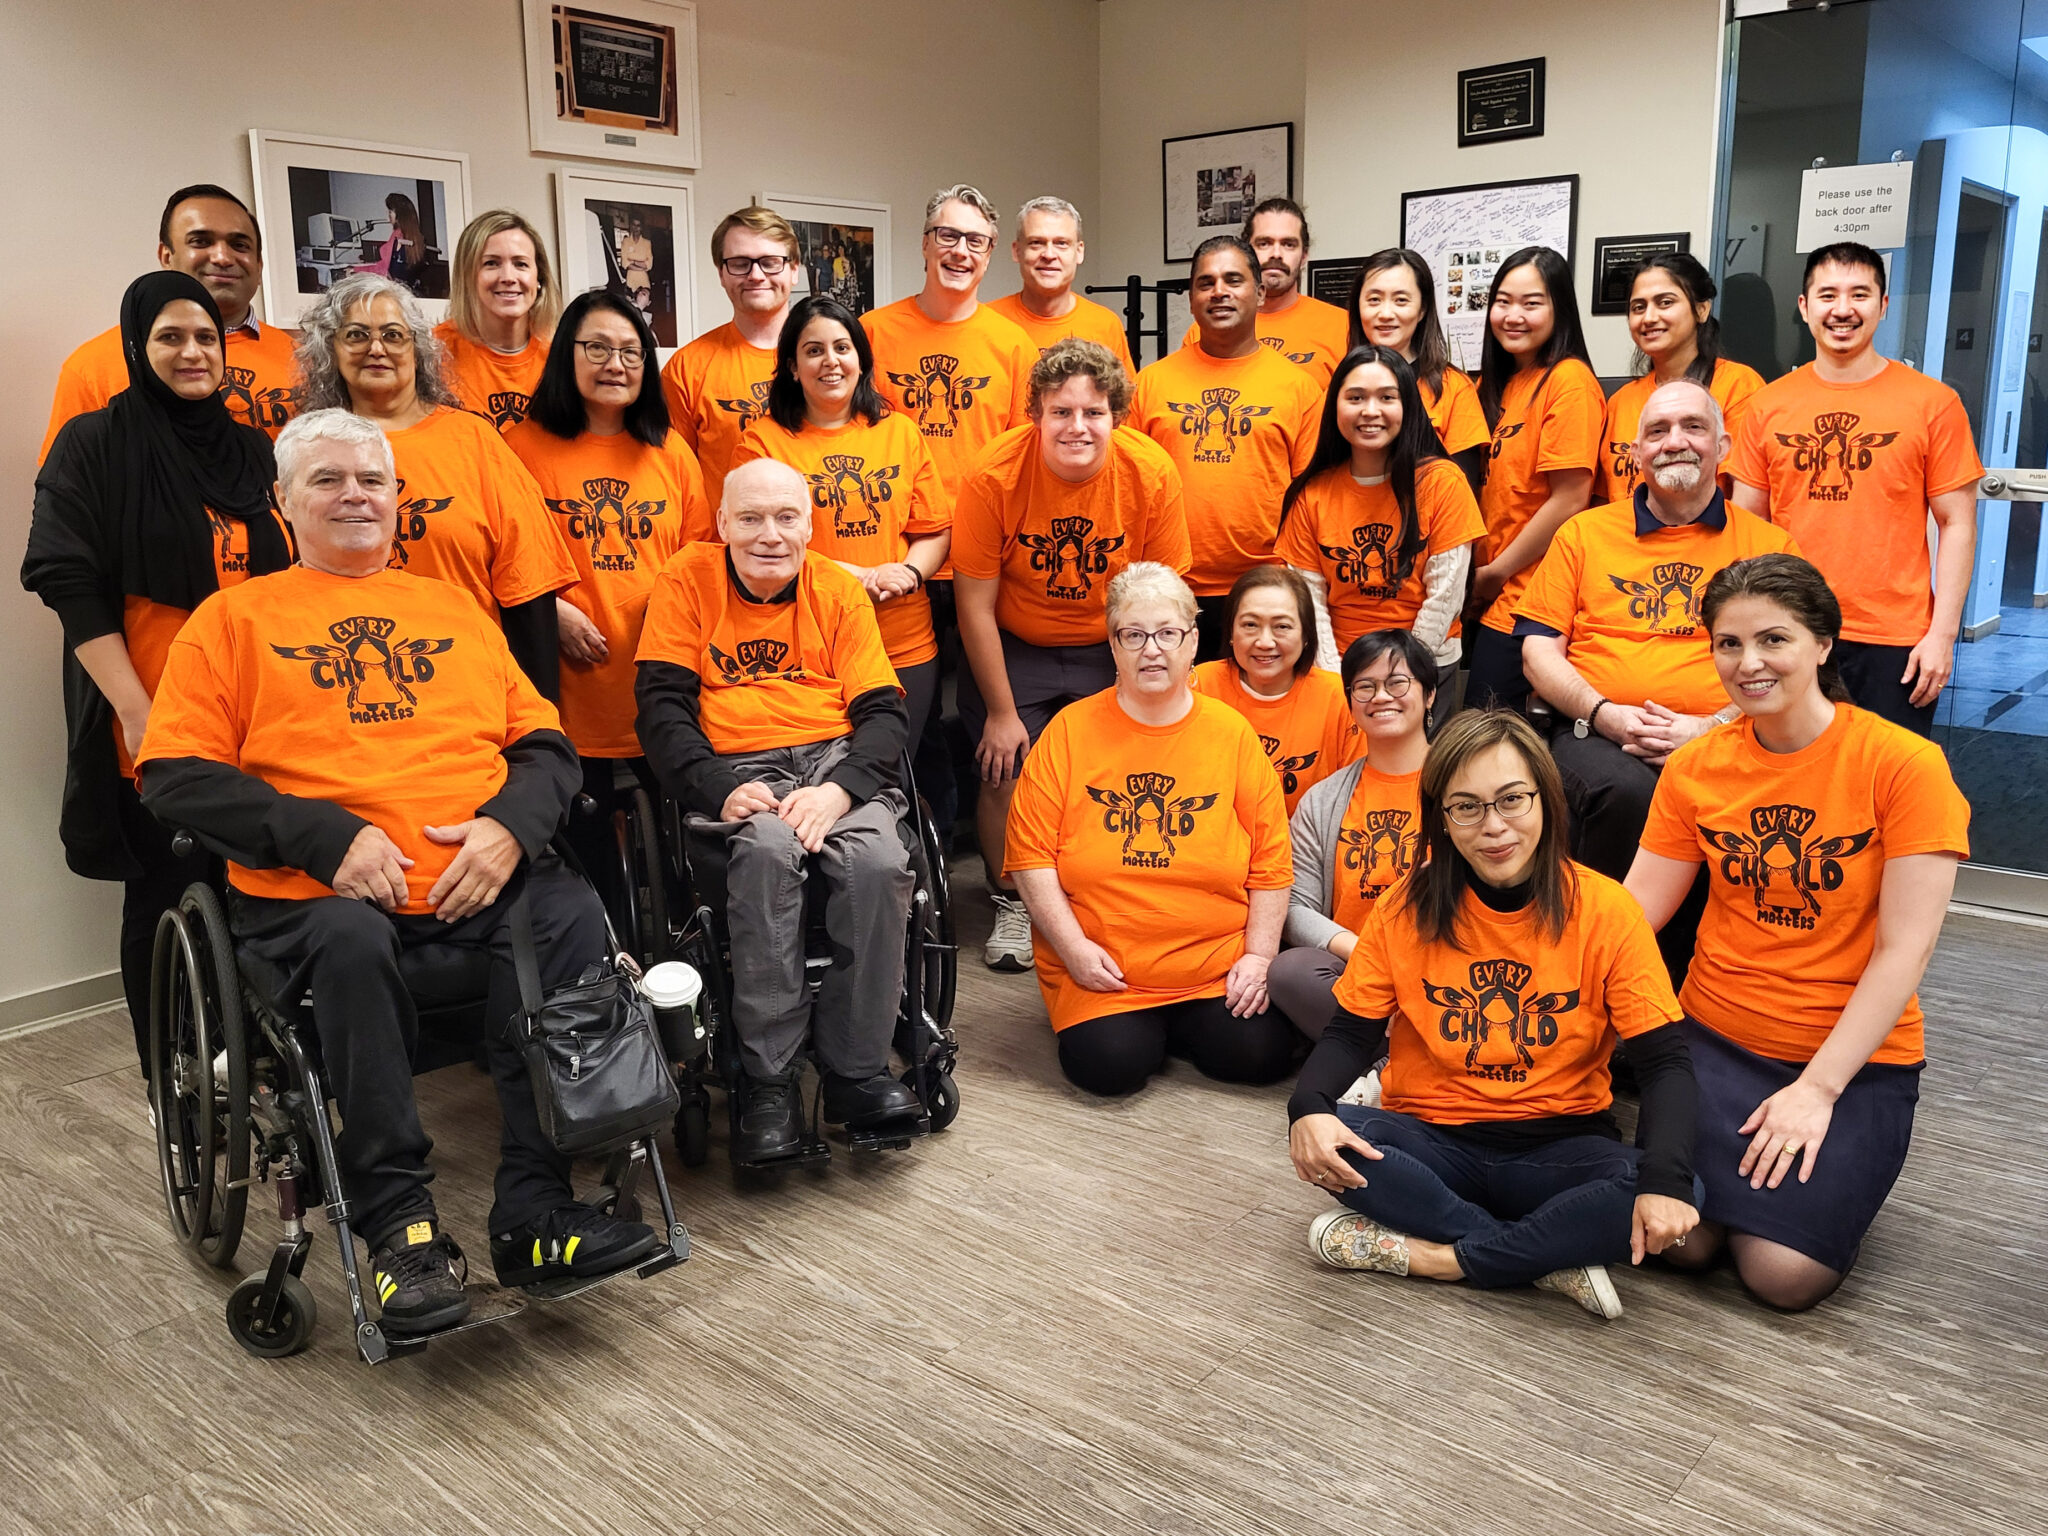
(142, 509)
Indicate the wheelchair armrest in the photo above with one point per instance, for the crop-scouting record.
(1539, 713)
(183, 843)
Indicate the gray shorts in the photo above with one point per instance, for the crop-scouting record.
(1044, 679)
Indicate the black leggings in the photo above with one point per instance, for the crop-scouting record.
(1115, 1053)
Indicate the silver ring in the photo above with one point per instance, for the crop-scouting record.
(1678, 1242)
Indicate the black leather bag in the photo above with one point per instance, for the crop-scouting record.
(600, 1078)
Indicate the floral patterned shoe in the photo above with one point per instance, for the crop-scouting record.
(1589, 1286)
(1347, 1240)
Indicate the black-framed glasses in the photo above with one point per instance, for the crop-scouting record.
(1368, 688)
(1513, 806)
(1171, 638)
(740, 266)
(948, 237)
(602, 352)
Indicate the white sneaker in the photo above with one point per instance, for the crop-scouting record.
(1590, 1286)
(1009, 942)
(1365, 1092)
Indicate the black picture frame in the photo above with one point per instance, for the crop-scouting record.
(1498, 102)
(1267, 149)
(1329, 278)
(1615, 261)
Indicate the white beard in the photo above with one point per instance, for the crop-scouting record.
(1678, 478)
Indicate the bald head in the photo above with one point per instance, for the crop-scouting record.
(765, 520)
(765, 478)
(1681, 439)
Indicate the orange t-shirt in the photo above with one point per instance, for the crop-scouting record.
(1157, 834)
(1350, 535)
(261, 387)
(1511, 1026)
(389, 695)
(1849, 469)
(491, 383)
(873, 490)
(1795, 844)
(1309, 333)
(716, 387)
(1539, 432)
(1624, 591)
(1239, 429)
(964, 383)
(620, 509)
(1616, 478)
(773, 674)
(1087, 320)
(1307, 733)
(1054, 546)
(469, 513)
(1378, 841)
(1455, 412)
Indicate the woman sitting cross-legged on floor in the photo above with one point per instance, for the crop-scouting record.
(1149, 839)
(1506, 972)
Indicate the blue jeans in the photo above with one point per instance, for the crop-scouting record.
(1509, 1215)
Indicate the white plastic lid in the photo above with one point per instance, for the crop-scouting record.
(671, 984)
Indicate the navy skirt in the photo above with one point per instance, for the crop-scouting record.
(1826, 1217)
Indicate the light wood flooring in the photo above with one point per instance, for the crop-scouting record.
(1062, 1316)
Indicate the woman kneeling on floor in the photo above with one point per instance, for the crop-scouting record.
(1148, 836)
(1505, 971)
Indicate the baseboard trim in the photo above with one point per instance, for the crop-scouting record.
(31, 1011)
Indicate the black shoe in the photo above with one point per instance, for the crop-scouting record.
(418, 1276)
(860, 1104)
(771, 1120)
(571, 1242)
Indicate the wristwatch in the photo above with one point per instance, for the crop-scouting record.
(1584, 728)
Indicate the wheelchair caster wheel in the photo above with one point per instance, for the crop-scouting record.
(624, 1207)
(290, 1331)
(944, 1107)
(693, 1132)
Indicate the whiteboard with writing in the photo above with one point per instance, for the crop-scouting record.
(1864, 203)
(1464, 233)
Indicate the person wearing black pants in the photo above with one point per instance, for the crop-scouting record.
(1116, 1053)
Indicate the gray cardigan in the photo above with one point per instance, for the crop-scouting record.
(1313, 832)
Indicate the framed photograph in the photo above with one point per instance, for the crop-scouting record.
(1211, 181)
(1464, 233)
(329, 207)
(635, 235)
(1617, 258)
(844, 247)
(1501, 101)
(1330, 278)
(613, 80)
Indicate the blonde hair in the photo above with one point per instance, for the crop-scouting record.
(1071, 357)
(469, 255)
(1147, 581)
(762, 221)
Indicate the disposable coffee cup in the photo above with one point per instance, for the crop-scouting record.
(672, 989)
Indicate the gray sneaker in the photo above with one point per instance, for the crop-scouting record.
(1009, 942)
(1589, 1285)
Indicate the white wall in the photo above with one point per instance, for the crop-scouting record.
(881, 101)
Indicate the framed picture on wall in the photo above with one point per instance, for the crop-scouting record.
(329, 207)
(844, 247)
(1210, 182)
(1330, 278)
(1617, 259)
(1500, 101)
(636, 235)
(1465, 233)
(613, 80)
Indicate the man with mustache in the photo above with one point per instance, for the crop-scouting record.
(1613, 636)
(1306, 331)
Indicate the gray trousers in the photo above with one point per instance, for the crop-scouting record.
(1303, 984)
(868, 885)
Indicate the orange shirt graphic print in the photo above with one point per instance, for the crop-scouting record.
(844, 478)
(1070, 556)
(604, 520)
(1668, 603)
(939, 394)
(1368, 563)
(1833, 453)
(1216, 422)
(1773, 858)
(1379, 852)
(267, 409)
(1499, 1028)
(413, 512)
(1290, 768)
(750, 407)
(378, 673)
(1149, 817)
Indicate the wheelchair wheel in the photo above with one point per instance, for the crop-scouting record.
(944, 1104)
(941, 955)
(650, 874)
(199, 1077)
(289, 1331)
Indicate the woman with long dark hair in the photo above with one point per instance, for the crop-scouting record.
(1831, 839)
(878, 509)
(1671, 319)
(1380, 522)
(1544, 404)
(142, 509)
(1393, 304)
(1498, 976)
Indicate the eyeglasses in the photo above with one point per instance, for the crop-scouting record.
(1171, 638)
(740, 266)
(1513, 806)
(948, 237)
(1367, 688)
(357, 338)
(602, 352)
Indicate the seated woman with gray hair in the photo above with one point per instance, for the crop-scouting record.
(468, 511)
(1148, 836)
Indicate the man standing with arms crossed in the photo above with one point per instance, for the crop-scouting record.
(1048, 250)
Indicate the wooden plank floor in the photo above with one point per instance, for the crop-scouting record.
(1061, 1316)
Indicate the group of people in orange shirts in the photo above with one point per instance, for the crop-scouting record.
(1211, 617)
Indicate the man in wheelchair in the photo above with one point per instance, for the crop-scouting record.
(360, 746)
(770, 712)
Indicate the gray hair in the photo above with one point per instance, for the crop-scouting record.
(973, 197)
(1058, 205)
(331, 424)
(1147, 581)
(320, 370)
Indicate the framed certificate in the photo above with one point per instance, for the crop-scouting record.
(1500, 101)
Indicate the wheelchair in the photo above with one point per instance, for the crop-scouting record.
(238, 1098)
(674, 895)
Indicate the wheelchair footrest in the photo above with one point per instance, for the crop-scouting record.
(487, 1304)
(889, 1138)
(813, 1152)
